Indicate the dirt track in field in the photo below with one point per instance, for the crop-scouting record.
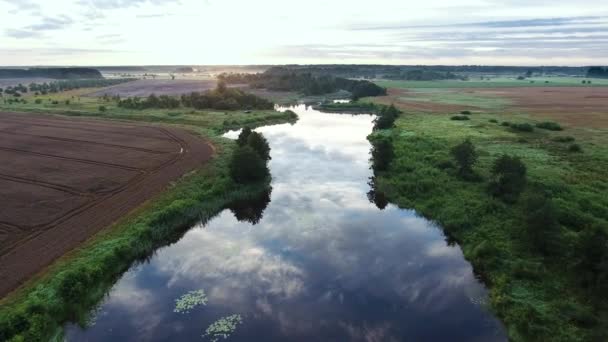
(64, 179)
(574, 106)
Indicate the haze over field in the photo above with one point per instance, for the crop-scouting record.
(119, 32)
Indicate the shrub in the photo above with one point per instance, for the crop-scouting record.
(509, 178)
(465, 156)
(522, 127)
(460, 118)
(505, 123)
(575, 148)
(102, 108)
(592, 250)
(541, 223)
(465, 112)
(386, 118)
(246, 166)
(549, 125)
(382, 153)
(55, 102)
(38, 101)
(564, 139)
(493, 121)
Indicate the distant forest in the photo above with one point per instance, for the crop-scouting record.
(287, 79)
(426, 72)
(597, 72)
(56, 73)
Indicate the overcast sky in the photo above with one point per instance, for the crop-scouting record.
(137, 32)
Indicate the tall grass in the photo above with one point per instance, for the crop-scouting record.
(540, 296)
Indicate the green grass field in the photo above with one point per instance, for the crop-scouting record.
(73, 285)
(444, 96)
(80, 105)
(538, 297)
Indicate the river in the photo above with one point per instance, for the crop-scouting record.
(314, 260)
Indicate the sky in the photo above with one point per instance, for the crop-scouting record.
(223, 32)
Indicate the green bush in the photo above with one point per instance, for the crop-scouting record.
(382, 153)
(575, 148)
(246, 166)
(505, 123)
(102, 109)
(493, 121)
(509, 178)
(386, 118)
(465, 156)
(564, 139)
(465, 112)
(460, 118)
(542, 224)
(549, 125)
(522, 127)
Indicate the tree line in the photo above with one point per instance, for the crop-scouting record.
(58, 86)
(597, 72)
(57, 73)
(285, 79)
(221, 98)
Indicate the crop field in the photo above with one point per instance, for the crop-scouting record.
(581, 106)
(63, 180)
(497, 82)
(142, 88)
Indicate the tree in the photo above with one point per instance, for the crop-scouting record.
(541, 222)
(246, 166)
(242, 139)
(509, 175)
(466, 156)
(221, 87)
(592, 250)
(257, 142)
(386, 118)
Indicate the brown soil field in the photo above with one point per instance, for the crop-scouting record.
(573, 106)
(62, 180)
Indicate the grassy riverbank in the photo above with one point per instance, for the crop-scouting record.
(540, 296)
(73, 285)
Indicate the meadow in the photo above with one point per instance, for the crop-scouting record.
(539, 295)
(74, 284)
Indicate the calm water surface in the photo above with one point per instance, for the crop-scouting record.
(314, 260)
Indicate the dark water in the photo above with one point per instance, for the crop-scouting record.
(321, 263)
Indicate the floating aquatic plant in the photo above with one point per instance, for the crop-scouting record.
(222, 328)
(188, 301)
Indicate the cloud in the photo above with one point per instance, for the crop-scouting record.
(49, 23)
(536, 22)
(19, 34)
(118, 4)
(23, 6)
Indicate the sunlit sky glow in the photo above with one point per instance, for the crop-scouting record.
(146, 32)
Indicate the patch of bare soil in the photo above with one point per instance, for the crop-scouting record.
(63, 180)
